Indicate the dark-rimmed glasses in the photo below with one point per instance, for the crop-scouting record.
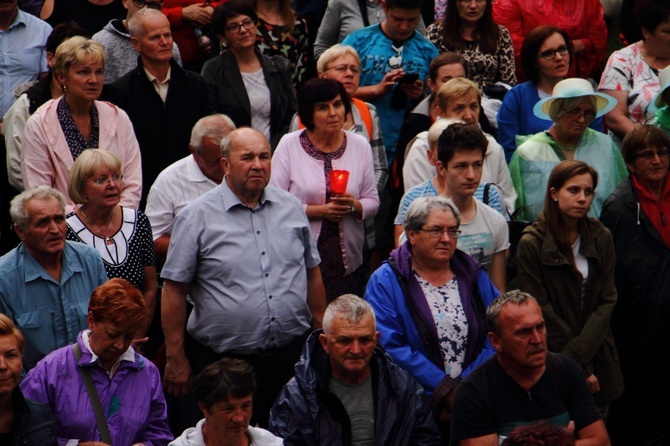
(237, 27)
(549, 55)
(149, 4)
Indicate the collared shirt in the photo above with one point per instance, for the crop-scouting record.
(246, 268)
(178, 185)
(49, 314)
(23, 55)
(128, 355)
(160, 87)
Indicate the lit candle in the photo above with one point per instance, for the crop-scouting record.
(338, 181)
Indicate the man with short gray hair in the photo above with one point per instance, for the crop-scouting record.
(163, 100)
(187, 179)
(347, 390)
(523, 383)
(46, 281)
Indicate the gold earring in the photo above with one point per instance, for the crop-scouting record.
(64, 88)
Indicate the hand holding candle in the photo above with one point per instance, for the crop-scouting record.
(338, 181)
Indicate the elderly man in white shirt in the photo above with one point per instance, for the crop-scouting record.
(187, 179)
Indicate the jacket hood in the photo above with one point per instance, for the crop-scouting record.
(116, 27)
(462, 264)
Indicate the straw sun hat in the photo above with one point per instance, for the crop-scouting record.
(574, 88)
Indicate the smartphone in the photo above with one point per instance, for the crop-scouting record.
(408, 78)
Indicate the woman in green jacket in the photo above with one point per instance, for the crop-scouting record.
(566, 261)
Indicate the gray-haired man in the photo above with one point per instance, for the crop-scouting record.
(347, 390)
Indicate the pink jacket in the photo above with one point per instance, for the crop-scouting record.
(297, 172)
(46, 157)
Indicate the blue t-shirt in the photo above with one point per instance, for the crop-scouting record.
(375, 49)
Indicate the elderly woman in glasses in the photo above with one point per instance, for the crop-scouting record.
(572, 107)
(127, 384)
(430, 300)
(637, 213)
(252, 89)
(546, 57)
(121, 235)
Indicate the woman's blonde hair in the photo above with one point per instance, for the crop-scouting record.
(86, 165)
(77, 49)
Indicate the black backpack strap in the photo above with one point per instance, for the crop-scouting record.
(364, 12)
(487, 188)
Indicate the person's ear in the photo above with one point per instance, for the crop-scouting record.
(323, 339)
(135, 43)
(203, 408)
(90, 320)
(553, 193)
(495, 341)
(19, 232)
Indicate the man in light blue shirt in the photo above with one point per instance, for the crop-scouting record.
(46, 282)
(23, 55)
(244, 254)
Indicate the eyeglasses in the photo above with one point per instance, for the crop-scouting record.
(588, 115)
(649, 155)
(149, 4)
(439, 232)
(343, 69)
(549, 55)
(237, 27)
(395, 62)
(101, 181)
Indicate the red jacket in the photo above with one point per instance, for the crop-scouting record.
(182, 32)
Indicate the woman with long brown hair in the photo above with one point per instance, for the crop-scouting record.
(566, 261)
(469, 30)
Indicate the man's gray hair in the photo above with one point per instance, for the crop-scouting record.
(17, 208)
(348, 307)
(438, 127)
(212, 126)
(418, 212)
(516, 297)
(135, 27)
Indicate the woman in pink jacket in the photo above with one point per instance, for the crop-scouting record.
(59, 131)
(302, 164)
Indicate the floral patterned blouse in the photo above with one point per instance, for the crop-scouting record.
(627, 70)
(484, 69)
(276, 40)
(452, 325)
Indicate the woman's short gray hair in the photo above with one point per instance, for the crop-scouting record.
(561, 106)
(349, 307)
(418, 212)
(17, 208)
(333, 53)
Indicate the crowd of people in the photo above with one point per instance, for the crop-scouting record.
(397, 222)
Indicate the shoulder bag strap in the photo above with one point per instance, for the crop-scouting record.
(93, 395)
(364, 12)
